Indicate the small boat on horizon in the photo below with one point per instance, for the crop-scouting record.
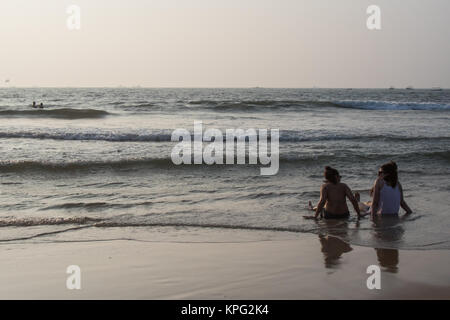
(409, 88)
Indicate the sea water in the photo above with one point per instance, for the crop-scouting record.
(95, 164)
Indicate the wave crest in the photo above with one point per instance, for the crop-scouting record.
(261, 105)
(165, 162)
(63, 113)
(30, 222)
(388, 105)
(165, 135)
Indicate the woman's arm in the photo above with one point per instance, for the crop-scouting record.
(322, 201)
(351, 197)
(376, 197)
(403, 203)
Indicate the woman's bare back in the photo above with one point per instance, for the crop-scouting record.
(333, 196)
(336, 198)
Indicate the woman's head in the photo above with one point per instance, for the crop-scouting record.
(331, 175)
(388, 172)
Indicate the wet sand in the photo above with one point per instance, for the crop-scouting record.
(308, 268)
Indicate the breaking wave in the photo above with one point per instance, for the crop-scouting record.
(64, 113)
(165, 135)
(387, 105)
(270, 105)
(30, 222)
(164, 162)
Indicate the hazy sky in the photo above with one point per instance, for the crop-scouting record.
(225, 43)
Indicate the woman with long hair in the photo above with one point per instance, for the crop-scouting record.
(333, 195)
(388, 192)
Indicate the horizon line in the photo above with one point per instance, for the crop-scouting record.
(214, 87)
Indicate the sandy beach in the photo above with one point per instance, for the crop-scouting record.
(306, 268)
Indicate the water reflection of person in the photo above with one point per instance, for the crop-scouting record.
(335, 233)
(388, 259)
(332, 249)
(386, 202)
(389, 230)
(331, 238)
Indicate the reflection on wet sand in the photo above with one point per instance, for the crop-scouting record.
(388, 259)
(388, 229)
(332, 249)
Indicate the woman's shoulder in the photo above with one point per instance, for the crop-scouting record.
(342, 185)
(325, 185)
(379, 182)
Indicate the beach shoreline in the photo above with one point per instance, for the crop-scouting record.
(309, 267)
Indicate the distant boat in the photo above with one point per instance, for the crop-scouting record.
(436, 89)
(391, 88)
(409, 88)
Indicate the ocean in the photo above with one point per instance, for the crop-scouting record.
(95, 164)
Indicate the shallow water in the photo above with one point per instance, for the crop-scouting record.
(95, 163)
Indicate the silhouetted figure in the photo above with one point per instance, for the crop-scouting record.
(41, 106)
(34, 104)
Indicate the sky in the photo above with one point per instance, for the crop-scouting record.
(225, 43)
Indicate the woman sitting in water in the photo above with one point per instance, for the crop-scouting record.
(388, 192)
(333, 194)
